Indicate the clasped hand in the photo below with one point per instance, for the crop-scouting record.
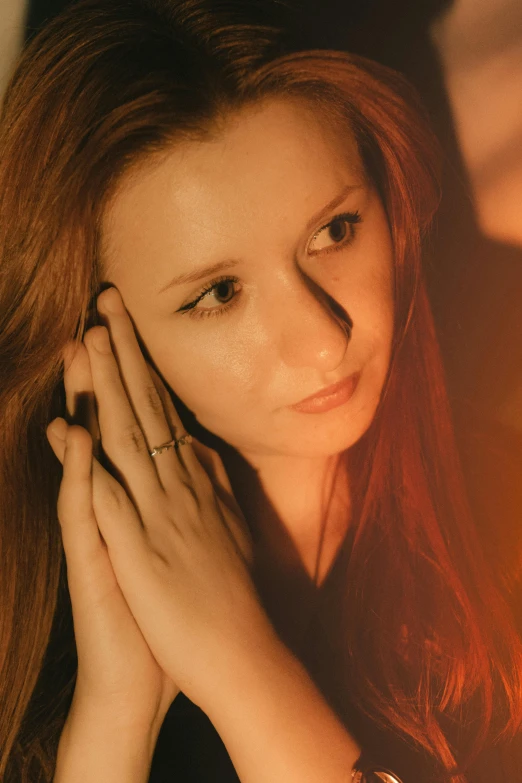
(157, 549)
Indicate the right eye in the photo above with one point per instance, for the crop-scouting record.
(223, 287)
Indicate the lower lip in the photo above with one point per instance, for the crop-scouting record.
(325, 402)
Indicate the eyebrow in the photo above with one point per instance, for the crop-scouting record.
(220, 266)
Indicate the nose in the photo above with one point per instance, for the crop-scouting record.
(314, 330)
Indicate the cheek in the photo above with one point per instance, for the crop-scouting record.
(377, 297)
(211, 373)
(366, 293)
(381, 303)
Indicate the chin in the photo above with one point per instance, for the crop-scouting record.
(330, 444)
(308, 435)
(334, 431)
(320, 440)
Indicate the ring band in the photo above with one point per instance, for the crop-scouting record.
(171, 444)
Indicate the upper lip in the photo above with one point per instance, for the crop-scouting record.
(326, 390)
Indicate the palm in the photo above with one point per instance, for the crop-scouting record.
(114, 661)
(115, 665)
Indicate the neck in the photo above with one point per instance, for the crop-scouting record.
(298, 510)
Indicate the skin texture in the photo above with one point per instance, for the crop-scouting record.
(159, 576)
(159, 555)
(250, 194)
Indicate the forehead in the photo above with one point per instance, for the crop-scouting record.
(268, 162)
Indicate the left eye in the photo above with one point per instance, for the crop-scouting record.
(338, 232)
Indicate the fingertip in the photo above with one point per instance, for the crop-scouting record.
(78, 452)
(56, 435)
(58, 428)
(78, 437)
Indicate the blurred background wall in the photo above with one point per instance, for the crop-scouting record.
(480, 46)
(12, 21)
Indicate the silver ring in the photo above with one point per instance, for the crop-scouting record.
(171, 444)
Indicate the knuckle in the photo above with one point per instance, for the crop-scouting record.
(152, 401)
(131, 438)
(109, 501)
(204, 482)
(191, 499)
(89, 335)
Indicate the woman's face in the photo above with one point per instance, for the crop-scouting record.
(275, 220)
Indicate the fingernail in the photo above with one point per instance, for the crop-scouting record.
(110, 300)
(101, 341)
(59, 428)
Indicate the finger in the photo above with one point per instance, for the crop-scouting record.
(122, 438)
(210, 466)
(96, 515)
(56, 435)
(137, 382)
(186, 453)
(93, 509)
(79, 391)
(213, 464)
(120, 526)
(237, 528)
(236, 522)
(90, 574)
(80, 534)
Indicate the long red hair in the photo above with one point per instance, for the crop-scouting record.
(102, 87)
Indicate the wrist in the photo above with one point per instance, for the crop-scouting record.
(111, 724)
(245, 654)
(273, 719)
(117, 713)
(95, 745)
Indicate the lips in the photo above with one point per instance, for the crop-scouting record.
(330, 397)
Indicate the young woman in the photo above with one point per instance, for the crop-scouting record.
(273, 522)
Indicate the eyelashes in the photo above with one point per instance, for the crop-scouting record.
(346, 221)
(214, 284)
(343, 228)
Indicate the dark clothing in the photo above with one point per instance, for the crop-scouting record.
(189, 750)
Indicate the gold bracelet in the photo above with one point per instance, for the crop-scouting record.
(365, 772)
